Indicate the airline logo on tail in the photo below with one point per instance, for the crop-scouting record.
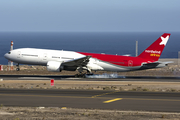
(164, 40)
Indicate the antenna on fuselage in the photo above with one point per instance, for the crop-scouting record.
(10, 63)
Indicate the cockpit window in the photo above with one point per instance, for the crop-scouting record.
(9, 52)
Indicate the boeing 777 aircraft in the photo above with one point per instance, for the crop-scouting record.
(58, 60)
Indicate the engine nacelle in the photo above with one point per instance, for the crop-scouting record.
(94, 66)
(54, 66)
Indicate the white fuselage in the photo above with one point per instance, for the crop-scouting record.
(42, 56)
(34, 56)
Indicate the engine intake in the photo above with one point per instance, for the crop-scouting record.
(54, 66)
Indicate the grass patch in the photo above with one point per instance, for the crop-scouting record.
(106, 88)
(173, 90)
(1, 106)
(134, 89)
(113, 87)
(145, 89)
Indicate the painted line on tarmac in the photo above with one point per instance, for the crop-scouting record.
(52, 96)
(34, 78)
(64, 108)
(88, 97)
(108, 101)
(105, 94)
(42, 96)
(152, 99)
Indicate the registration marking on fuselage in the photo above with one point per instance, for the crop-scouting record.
(108, 101)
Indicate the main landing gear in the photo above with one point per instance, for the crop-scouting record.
(80, 75)
(83, 75)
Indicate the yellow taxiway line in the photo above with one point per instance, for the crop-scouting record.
(108, 101)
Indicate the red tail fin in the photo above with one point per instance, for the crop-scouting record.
(153, 52)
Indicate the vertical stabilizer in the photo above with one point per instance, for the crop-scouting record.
(153, 52)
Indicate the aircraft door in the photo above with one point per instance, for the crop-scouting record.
(19, 54)
(45, 56)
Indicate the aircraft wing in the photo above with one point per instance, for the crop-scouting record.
(157, 64)
(77, 62)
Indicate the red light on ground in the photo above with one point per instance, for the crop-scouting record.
(52, 82)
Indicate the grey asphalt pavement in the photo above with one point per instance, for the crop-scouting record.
(92, 99)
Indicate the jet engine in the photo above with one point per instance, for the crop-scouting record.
(54, 66)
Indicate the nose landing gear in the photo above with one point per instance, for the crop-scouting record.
(17, 69)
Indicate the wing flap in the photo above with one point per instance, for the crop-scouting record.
(77, 62)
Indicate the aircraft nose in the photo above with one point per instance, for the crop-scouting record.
(6, 56)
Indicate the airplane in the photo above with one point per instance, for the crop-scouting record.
(58, 60)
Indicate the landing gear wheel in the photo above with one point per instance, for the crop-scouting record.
(90, 74)
(80, 75)
(17, 69)
(76, 76)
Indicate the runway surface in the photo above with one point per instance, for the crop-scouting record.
(70, 77)
(92, 99)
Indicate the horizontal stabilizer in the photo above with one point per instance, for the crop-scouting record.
(157, 64)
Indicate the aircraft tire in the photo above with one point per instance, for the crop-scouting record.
(17, 69)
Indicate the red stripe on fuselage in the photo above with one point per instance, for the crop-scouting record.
(126, 61)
